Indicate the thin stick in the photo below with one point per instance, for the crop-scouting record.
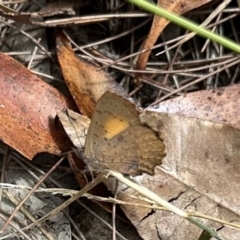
(114, 211)
(6, 155)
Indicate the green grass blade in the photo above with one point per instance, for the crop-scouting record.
(185, 23)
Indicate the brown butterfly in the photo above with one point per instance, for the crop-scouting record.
(117, 140)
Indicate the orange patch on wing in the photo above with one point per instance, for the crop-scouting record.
(114, 126)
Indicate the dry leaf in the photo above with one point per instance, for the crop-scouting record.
(179, 7)
(75, 126)
(20, 17)
(202, 154)
(220, 105)
(153, 224)
(194, 144)
(85, 81)
(27, 110)
(205, 157)
(159, 224)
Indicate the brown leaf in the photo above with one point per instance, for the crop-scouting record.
(86, 82)
(27, 110)
(159, 224)
(220, 105)
(179, 7)
(200, 152)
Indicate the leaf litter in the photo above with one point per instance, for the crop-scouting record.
(160, 80)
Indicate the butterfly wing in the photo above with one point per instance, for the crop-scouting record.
(135, 150)
(112, 115)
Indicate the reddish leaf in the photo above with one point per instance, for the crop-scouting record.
(85, 81)
(27, 110)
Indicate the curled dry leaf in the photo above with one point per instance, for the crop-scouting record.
(27, 110)
(75, 126)
(179, 7)
(86, 82)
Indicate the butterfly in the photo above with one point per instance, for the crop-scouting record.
(117, 140)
